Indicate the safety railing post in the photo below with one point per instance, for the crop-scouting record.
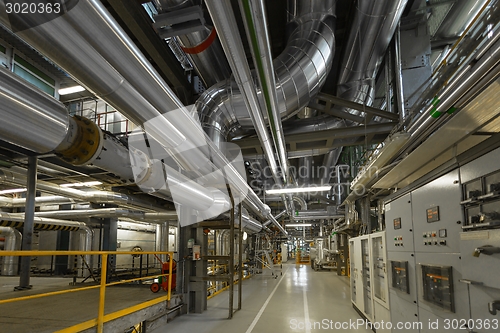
(170, 267)
(102, 293)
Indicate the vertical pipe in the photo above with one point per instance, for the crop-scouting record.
(388, 81)
(398, 73)
(29, 215)
(231, 255)
(240, 257)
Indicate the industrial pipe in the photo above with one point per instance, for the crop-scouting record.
(277, 217)
(13, 238)
(202, 47)
(107, 213)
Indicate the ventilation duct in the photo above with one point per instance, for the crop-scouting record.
(371, 31)
(300, 72)
(13, 238)
(201, 47)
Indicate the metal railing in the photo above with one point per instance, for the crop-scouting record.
(101, 316)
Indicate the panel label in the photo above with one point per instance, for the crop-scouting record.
(475, 235)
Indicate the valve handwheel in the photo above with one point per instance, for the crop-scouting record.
(155, 287)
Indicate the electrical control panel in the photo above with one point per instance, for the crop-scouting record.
(440, 292)
(438, 215)
(480, 249)
(400, 276)
(437, 286)
(399, 224)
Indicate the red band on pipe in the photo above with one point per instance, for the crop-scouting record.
(203, 45)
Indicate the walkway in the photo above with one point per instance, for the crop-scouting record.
(301, 300)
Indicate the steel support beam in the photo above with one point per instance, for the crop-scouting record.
(140, 24)
(356, 106)
(29, 216)
(335, 133)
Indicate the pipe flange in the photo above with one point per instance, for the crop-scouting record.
(86, 145)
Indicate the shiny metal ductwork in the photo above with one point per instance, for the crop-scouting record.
(43, 223)
(91, 46)
(13, 239)
(300, 72)
(201, 47)
(372, 29)
(107, 213)
(317, 215)
(39, 201)
(123, 200)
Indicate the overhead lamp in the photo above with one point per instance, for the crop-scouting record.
(14, 190)
(295, 225)
(91, 183)
(299, 190)
(245, 235)
(70, 90)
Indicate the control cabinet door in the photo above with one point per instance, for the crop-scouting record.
(481, 256)
(438, 215)
(399, 225)
(484, 299)
(380, 269)
(440, 292)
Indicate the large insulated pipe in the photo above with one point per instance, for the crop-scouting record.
(225, 22)
(42, 223)
(67, 47)
(85, 143)
(107, 213)
(39, 201)
(202, 48)
(256, 26)
(371, 31)
(13, 238)
(300, 72)
(52, 122)
(115, 198)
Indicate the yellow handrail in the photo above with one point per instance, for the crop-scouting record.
(101, 317)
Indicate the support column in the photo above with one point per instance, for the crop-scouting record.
(62, 265)
(29, 215)
(109, 241)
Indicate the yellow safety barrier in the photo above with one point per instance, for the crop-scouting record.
(101, 317)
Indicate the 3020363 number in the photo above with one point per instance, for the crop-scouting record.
(469, 324)
(32, 8)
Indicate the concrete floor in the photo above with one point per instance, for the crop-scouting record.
(52, 313)
(287, 304)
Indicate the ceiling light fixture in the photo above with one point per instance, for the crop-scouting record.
(300, 190)
(295, 225)
(14, 190)
(92, 183)
(70, 90)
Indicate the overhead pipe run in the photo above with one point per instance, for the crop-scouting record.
(39, 201)
(42, 223)
(372, 29)
(91, 46)
(300, 72)
(107, 213)
(277, 217)
(202, 47)
(120, 199)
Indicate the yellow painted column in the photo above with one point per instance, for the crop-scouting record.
(102, 293)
